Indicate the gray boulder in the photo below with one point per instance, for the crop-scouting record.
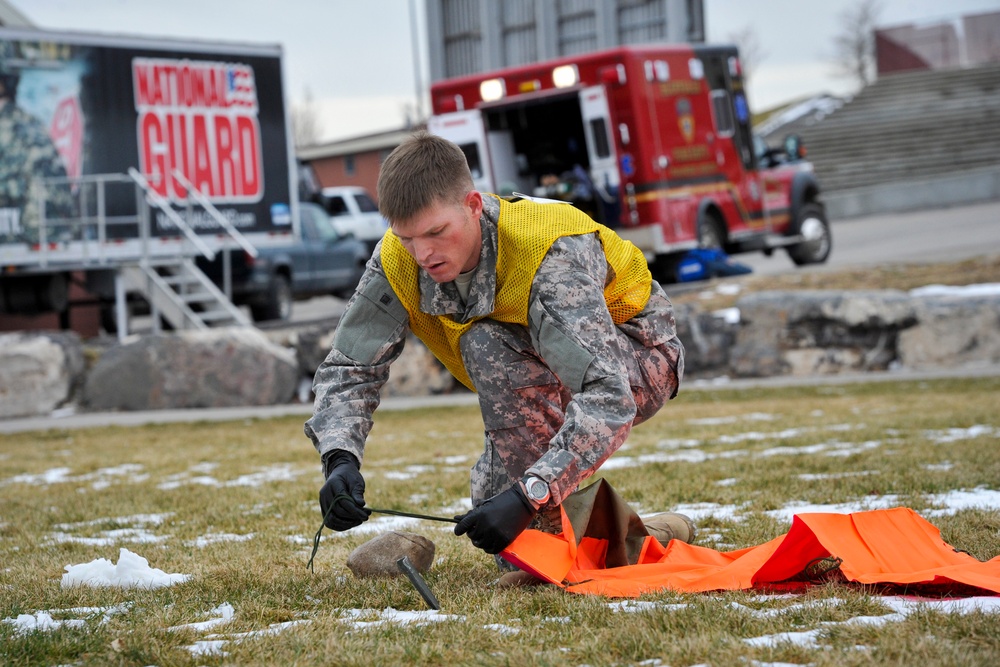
(416, 372)
(707, 339)
(952, 332)
(38, 372)
(819, 332)
(192, 369)
(377, 557)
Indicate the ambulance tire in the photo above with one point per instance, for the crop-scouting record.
(710, 231)
(811, 222)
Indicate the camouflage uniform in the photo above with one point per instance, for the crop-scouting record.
(558, 397)
(27, 154)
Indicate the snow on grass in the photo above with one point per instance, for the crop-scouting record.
(365, 619)
(41, 621)
(134, 530)
(99, 479)
(282, 472)
(212, 645)
(901, 607)
(131, 571)
(961, 291)
(214, 538)
(225, 613)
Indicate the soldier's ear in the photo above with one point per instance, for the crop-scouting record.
(474, 202)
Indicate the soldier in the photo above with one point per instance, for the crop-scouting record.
(27, 157)
(551, 318)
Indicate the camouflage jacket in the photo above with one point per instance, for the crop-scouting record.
(27, 153)
(373, 329)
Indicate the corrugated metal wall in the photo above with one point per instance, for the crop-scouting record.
(576, 26)
(468, 36)
(640, 22)
(520, 32)
(462, 36)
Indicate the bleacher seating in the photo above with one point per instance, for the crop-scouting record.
(909, 126)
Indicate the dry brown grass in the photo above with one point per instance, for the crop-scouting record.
(891, 276)
(42, 526)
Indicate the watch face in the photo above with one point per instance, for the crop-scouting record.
(537, 489)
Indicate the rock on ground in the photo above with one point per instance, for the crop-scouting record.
(193, 369)
(377, 557)
(38, 372)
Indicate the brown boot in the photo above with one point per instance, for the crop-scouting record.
(671, 526)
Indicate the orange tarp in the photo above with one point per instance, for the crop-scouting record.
(893, 547)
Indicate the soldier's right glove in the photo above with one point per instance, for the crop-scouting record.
(344, 479)
(493, 525)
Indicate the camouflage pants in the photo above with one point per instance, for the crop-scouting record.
(523, 403)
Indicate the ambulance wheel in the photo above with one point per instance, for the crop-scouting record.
(812, 224)
(710, 232)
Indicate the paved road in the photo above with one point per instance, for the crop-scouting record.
(940, 235)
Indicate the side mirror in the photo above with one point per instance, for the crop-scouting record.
(794, 147)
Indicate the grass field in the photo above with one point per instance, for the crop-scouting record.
(233, 505)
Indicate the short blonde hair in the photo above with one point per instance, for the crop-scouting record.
(423, 170)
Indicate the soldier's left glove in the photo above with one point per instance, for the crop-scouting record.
(493, 525)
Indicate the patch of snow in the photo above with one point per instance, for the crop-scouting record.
(728, 315)
(277, 473)
(225, 613)
(902, 607)
(40, 621)
(963, 291)
(214, 538)
(131, 571)
(390, 616)
(502, 628)
(813, 477)
(955, 434)
(409, 472)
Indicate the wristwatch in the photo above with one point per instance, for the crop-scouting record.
(537, 490)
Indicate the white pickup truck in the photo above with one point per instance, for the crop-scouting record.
(353, 211)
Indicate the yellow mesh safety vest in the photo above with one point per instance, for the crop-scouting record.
(526, 231)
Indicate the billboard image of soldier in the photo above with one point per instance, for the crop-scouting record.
(29, 156)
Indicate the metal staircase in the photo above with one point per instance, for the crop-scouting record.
(175, 288)
(183, 295)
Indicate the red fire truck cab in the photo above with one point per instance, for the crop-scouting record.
(653, 141)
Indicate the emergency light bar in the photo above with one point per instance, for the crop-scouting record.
(492, 90)
(565, 76)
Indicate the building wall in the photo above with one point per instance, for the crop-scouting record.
(940, 45)
(470, 36)
(334, 170)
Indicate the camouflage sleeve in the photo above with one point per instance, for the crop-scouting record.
(573, 332)
(369, 337)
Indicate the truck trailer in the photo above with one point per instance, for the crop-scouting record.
(122, 159)
(654, 141)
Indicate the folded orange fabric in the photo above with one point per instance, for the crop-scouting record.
(891, 547)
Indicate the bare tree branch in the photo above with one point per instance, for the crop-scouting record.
(854, 45)
(306, 124)
(751, 50)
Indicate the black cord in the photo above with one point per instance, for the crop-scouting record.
(348, 498)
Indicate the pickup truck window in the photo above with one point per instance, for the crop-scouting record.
(336, 206)
(315, 225)
(365, 203)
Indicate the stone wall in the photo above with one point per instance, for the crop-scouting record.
(799, 333)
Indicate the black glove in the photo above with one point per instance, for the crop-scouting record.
(493, 525)
(344, 479)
